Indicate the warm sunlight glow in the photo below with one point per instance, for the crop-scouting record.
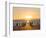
(26, 13)
(28, 17)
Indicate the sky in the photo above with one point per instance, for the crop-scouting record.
(23, 12)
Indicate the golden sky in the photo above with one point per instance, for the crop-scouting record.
(22, 12)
